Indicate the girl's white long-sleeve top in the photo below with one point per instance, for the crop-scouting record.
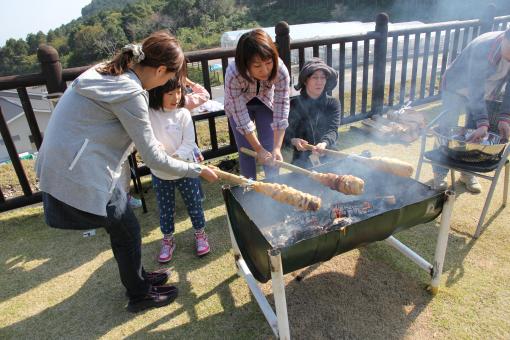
(174, 130)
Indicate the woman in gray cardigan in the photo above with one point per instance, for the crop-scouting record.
(89, 136)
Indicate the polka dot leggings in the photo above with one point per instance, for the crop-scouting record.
(165, 195)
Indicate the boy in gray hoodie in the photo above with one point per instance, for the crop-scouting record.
(87, 140)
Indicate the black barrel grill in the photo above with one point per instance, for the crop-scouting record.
(343, 223)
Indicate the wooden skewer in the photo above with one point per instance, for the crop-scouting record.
(347, 184)
(229, 176)
(280, 164)
(386, 164)
(278, 192)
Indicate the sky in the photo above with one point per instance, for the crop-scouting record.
(20, 17)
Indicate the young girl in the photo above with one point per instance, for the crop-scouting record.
(88, 138)
(173, 127)
(197, 96)
(257, 95)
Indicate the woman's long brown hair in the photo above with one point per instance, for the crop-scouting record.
(160, 48)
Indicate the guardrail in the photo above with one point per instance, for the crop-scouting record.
(381, 57)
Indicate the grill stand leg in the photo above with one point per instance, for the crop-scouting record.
(452, 174)
(422, 151)
(442, 242)
(280, 324)
(505, 185)
(410, 254)
(278, 285)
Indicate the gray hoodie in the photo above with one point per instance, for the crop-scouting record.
(90, 135)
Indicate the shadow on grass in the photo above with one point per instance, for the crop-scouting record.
(33, 253)
(376, 301)
(422, 239)
(101, 292)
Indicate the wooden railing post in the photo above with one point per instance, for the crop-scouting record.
(487, 19)
(283, 42)
(379, 72)
(51, 69)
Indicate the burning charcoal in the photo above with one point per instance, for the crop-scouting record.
(350, 209)
(339, 223)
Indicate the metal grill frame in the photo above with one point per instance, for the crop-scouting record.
(278, 319)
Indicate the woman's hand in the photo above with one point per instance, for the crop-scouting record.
(299, 143)
(319, 148)
(264, 157)
(504, 131)
(208, 174)
(277, 154)
(478, 134)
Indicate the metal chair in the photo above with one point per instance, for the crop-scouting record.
(135, 176)
(436, 157)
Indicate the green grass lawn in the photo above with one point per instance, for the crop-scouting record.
(58, 284)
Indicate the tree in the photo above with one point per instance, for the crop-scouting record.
(135, 19)
(87, 45)
(13, 57)
(34, 40)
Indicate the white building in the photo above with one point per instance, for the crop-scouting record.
(17, 124)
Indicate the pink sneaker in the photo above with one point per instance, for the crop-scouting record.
(167, 250)
(202, 243)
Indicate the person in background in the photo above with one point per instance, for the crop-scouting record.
(314, 115)
(173, 128)
(257, 98)
(99, 117)
(476, 77)
(195, 95)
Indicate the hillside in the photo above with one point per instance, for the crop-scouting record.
(97, 6)
(107, 25)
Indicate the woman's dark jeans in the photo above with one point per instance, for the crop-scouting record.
(124, 232)
(263, 117)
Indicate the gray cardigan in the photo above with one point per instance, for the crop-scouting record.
(477, 62)
(89, 136)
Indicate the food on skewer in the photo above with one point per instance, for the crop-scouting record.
(279, 192)
(288, 195)
(346, 184)
(390, 165)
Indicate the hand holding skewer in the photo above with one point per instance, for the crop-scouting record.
(264, 156)
(302, 145)
(299, 144)
(208, 174)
